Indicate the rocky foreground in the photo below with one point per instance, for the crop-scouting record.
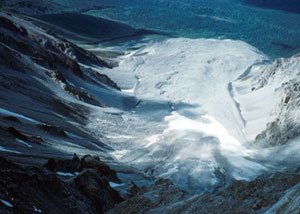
(47, 88)
(63, 186)
(273, 193)
(84, 186)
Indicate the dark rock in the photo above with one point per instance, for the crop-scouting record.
(132, 190)
(66, 165)
(73, 66)
(94, 162)
(56, 76)
(17, 134)
(51, 164)
(31, 188)
(12, 119)
(69, 165)
(78, 165)
(79, 94)
(104, 79)
(53, 130)
(96, 188)
(6, 23)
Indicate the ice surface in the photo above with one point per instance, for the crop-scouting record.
(191, 123)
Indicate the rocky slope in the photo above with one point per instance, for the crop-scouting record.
(44, 87)
(80, 186)
(257, 196)
(46, 90)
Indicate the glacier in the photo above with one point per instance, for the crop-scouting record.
(191, 122)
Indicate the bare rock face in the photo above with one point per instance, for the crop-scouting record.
(32, 189)
(95, 187)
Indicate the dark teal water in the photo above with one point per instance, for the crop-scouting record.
(274, 31)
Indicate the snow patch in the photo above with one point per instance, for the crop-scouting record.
(6, 203)
(65, 174)
(73, 135)
(71, 84)
(114, 185)
(9, 150)
(23, 142)
(37, 210)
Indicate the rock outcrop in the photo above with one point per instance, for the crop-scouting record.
(25, 189)
(286, 124)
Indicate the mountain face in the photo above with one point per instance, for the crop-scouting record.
(180, 126)
(279, 82)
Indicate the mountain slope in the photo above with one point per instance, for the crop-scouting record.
(46, 88)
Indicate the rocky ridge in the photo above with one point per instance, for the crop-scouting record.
(44, 81)
(47, 190)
